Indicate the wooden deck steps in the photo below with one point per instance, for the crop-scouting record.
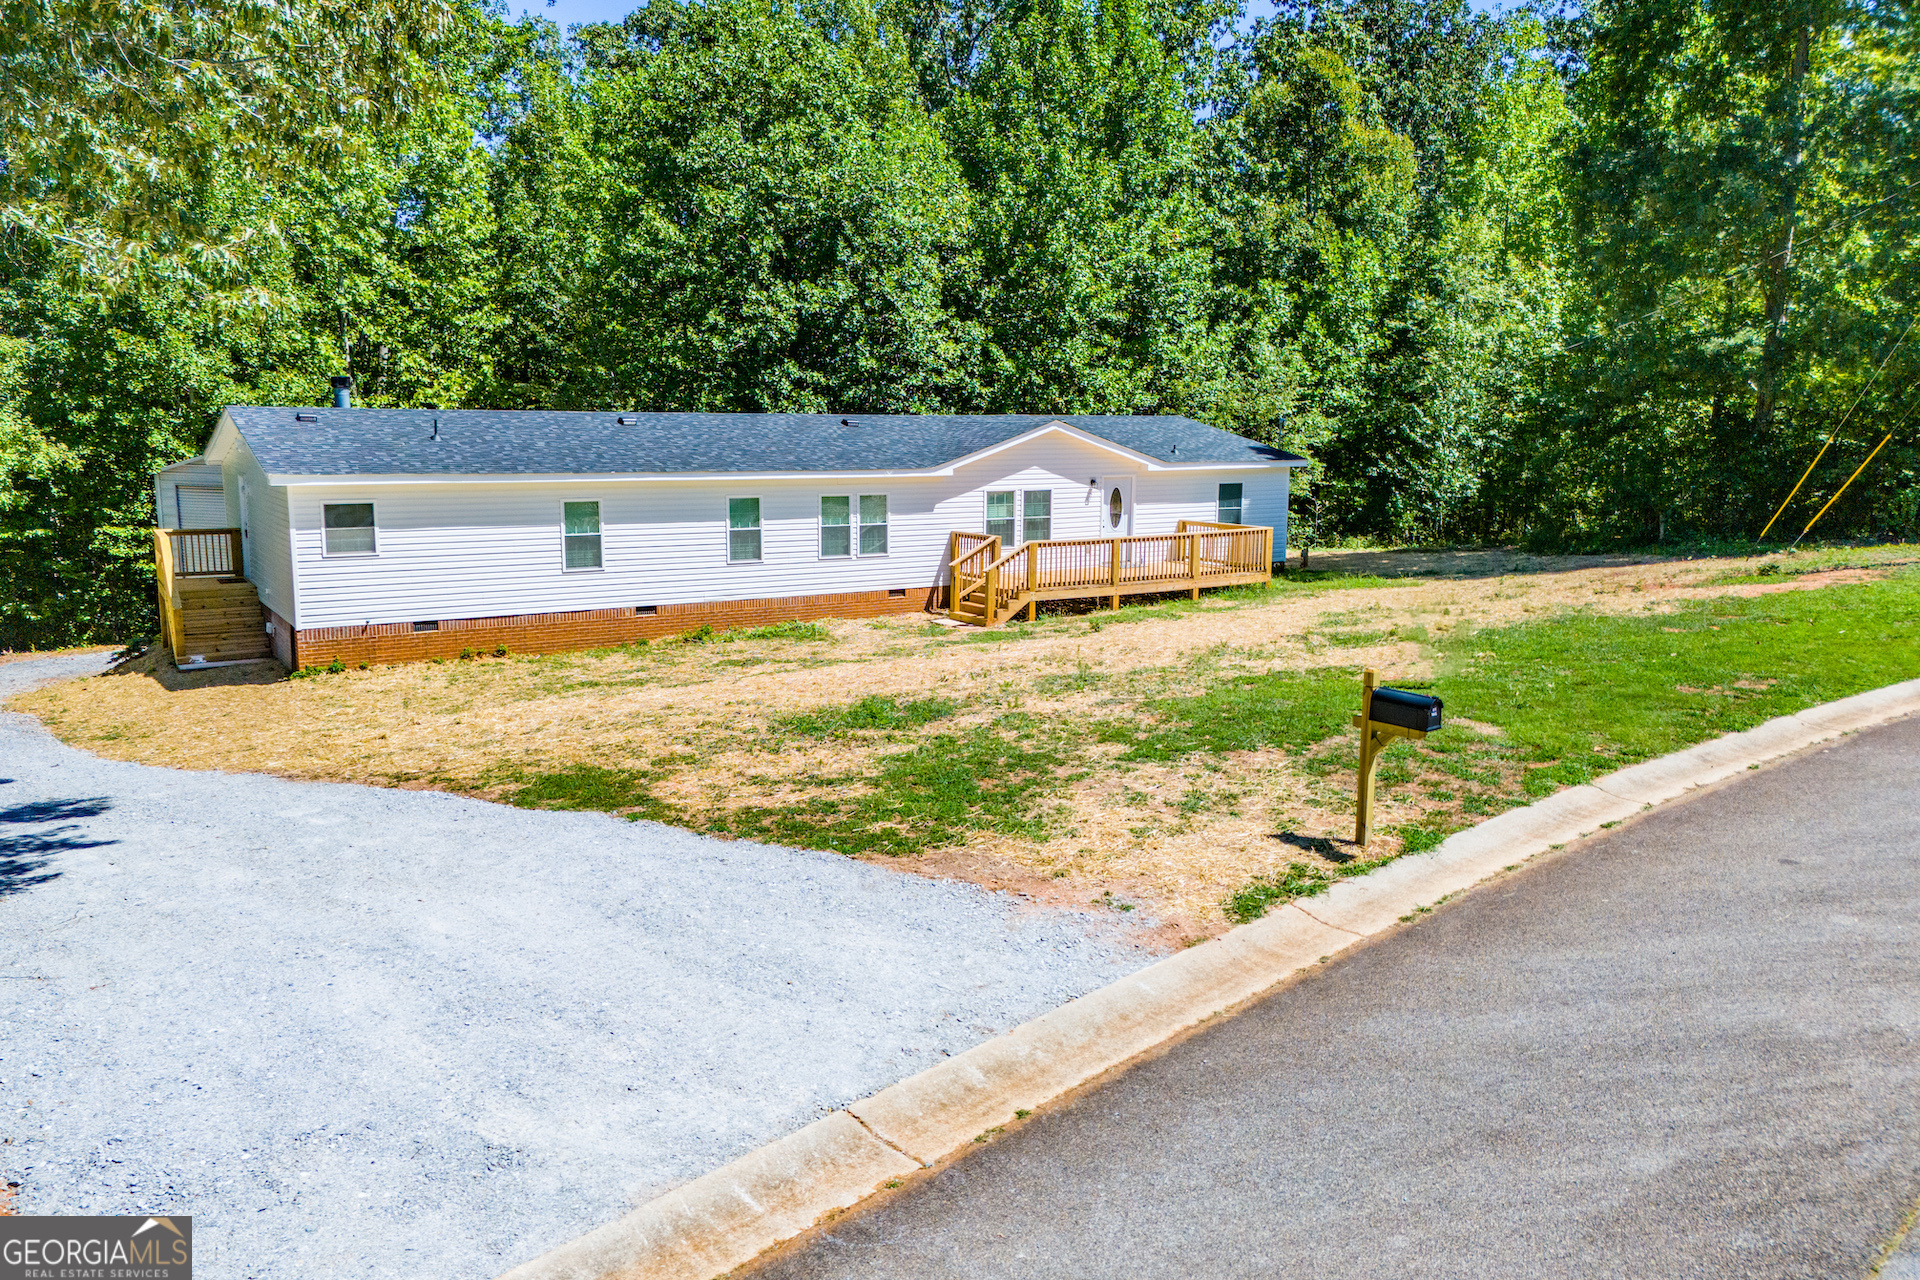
(208, 611)
(970, 608)
(220, 620)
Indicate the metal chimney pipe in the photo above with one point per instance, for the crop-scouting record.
(342, 391)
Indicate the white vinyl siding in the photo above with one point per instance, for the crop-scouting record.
(205, 501)
(269, 551)
(482, 549)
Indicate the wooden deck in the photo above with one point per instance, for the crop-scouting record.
(986, 586)
(209, 612)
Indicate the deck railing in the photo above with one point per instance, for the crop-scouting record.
(968, 555)
(1200, 553)
(190, 553)
(202, 552)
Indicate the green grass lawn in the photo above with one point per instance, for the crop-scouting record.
(1560, 701)
(1581, 695)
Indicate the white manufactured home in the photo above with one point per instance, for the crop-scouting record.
(389, 534)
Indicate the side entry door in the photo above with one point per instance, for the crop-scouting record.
(1116, 511)
(1116, 507)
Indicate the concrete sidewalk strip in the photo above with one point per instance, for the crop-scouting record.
(731, 1216)
(942, 1110)
(1367, 904)
(716, 1223)
(1669, 776)
(1863, 710)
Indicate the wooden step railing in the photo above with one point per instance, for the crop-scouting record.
(210, 618)
(192, 553)
(968, 555)
(1201, 553)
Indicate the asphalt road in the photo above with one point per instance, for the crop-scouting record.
(1689, 1048)
(369, 1033)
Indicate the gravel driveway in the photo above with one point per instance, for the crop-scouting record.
(361, 1032)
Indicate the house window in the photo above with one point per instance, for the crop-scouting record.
(348, 528)
(1039, 513)
(743, 529)
(582, 520)
(836, 526)
(1000, 518)
(873, 524)
(1230, 504)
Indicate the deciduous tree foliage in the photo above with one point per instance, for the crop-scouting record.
(1581, 279)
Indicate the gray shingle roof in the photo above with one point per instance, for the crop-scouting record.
(360, 442)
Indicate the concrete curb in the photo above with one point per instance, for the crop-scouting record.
(731, 1216)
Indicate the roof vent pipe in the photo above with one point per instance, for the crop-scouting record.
(342, 391)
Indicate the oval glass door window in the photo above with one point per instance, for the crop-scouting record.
(1116, 507)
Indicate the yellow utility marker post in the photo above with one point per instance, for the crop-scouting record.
(1385, 714)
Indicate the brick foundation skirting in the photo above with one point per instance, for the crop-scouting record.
(387, 642)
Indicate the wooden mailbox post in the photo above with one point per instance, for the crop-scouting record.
(1385, 714)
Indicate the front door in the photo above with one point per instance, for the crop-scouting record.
(1116, 506)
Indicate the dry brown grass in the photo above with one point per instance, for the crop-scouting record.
(703, 720)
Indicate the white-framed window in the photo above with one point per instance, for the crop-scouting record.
(580, 532)
(842, 517)
(1230, 504)
(348, 529)
(836, 526)
(1038, 512)
(873, 524)
(743, 530)
(1000, 521)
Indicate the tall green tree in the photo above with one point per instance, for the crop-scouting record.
(117, 115)
(1739, 180)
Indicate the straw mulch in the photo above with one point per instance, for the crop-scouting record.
(704, 721)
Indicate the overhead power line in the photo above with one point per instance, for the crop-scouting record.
(1864, 388)
(1843, 488)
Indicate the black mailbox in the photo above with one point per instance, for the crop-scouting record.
(1406, 710)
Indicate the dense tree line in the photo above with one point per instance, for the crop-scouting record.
(1597, 277)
